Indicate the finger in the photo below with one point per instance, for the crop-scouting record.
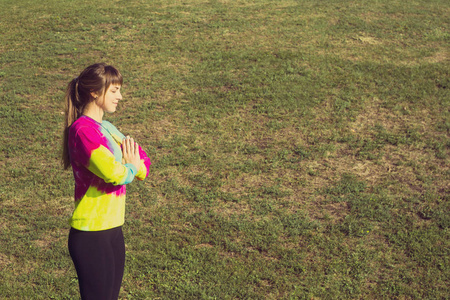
(131, 145)
(124, 146)
(136, 149)
(127, 146)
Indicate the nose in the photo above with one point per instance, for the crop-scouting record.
(119, 96)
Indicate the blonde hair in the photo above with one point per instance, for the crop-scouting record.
(94, 79)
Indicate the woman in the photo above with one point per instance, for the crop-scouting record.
(103, 161)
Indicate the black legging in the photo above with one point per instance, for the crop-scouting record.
(99, 259)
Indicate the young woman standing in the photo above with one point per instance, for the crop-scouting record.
(103, 161)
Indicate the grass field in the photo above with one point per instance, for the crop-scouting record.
(300, 148)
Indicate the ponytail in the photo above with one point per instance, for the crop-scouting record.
(72, 113)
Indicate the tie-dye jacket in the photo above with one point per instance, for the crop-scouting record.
(100, 177)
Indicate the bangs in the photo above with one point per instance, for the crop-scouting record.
(112, 76)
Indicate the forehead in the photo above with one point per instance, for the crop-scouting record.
(114, 87)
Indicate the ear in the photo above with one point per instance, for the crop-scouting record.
(94, 95)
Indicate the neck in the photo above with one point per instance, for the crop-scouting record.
(94, 112)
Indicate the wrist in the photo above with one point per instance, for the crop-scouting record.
(132, 167)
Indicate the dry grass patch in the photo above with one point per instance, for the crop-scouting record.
(4, 260)
(440, 56)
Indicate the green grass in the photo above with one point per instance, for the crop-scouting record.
(300, 148)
